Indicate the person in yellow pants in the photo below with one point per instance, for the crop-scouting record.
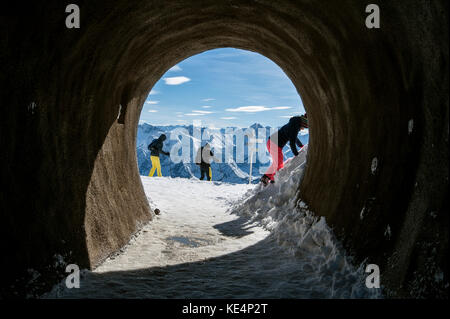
(155, 149)
(156, 166)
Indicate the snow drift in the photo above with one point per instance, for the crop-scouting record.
(279, 209)
(210, 241)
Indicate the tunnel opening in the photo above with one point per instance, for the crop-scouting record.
(362, 87)
(232, 100)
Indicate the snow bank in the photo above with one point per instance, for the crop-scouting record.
(304, 235)
(210, 242)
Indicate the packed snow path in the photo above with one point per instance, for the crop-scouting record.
(199, 247)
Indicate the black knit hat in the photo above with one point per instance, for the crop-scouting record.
(300, 121)
(304, 119)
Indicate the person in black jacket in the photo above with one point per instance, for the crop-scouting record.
(204, 159)
(276, 142)
(156, 148)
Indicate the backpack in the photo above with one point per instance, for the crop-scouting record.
(198, 158)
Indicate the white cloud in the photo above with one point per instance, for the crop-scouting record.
(249, 109)
(153, 111)
(177, 80)
(208, 100)
(281, 108)
(194, 114)
(206, 106)
(228, 118)
(257, 108)
(175, 68)
(202, 112)
(154, 92)
(152, 102)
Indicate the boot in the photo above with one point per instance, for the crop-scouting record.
(265, 180)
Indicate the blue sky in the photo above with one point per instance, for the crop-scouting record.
(220, 88)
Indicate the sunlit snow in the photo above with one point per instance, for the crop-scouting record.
(222, 240)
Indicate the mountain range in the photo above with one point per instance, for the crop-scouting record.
(232, 168)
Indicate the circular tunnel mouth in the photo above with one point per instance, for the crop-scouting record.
(327, 85)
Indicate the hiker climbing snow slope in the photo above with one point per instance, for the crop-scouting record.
(276, 142)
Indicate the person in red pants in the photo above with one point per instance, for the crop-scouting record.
(276, 142)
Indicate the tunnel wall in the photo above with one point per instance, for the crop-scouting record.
(71, 191)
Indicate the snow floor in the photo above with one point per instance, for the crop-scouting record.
(220, 240)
